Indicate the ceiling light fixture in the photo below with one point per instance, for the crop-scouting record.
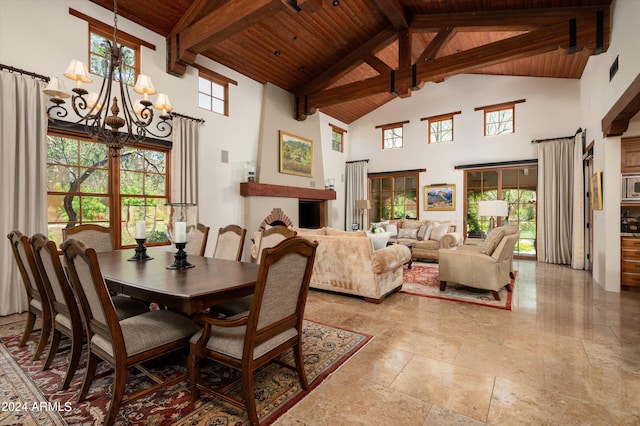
(335, 3)
(94, 110)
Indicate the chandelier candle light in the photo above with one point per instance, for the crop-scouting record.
(94, 109)
(180, 223)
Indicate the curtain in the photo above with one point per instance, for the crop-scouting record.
(184, 160)
(23, 176)
(555, 200)
(356, 189)
(578, 231)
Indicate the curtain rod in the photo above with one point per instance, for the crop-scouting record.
(560, 137)
(29, 73)
(176, 114)
(357, 161)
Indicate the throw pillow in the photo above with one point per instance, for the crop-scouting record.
(408, 233)
(412, 224)
(438, 230)
(392, 228)
(491, 242)
(424, 233)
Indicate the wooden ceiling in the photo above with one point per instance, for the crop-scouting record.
(348, 57)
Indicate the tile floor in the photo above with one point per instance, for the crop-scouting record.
(567, 354)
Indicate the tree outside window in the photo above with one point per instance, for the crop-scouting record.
(99, 56)
(498, 122)
(392, 135)
(337, 138)
(394, 196)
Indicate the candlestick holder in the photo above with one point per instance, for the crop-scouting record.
(180, 261)
(141, 252)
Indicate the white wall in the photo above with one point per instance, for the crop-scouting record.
(550, 110)
(597, 96)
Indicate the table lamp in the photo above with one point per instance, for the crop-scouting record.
(362, 205)
(180, 222)
(493, 208)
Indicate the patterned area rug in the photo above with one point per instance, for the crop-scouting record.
(33, 397)
(422, 280)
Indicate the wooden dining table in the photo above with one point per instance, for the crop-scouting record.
(211, 281)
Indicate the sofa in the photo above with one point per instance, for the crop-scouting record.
(426, 237)
(346, 262)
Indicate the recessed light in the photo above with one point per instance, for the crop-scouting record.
(336, 3)
(301, 68)
(277, 53)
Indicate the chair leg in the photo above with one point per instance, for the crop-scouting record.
(53, 349)
(44, 338)
(299, 357)
(120, 381)
(31, 320)
(194, 373)
(92, 364)
(496, 295)
(76, 351)
(509, 287)
(249, 398)
(443, 285)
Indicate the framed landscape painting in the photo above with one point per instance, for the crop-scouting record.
(441, 196)
(596, 191)
(296, 155)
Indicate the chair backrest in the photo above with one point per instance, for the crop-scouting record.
(504, 250)
(198, 242)
(230, 243)
(97, 237)
(281, 290)
(54, 279)
(25, 259)
(99, 315)
(272, 236)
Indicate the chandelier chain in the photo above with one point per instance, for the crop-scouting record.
(115, 22)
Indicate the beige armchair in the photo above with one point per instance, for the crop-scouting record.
(481, 267)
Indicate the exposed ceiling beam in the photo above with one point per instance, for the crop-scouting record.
(439, 41)
(525, 45)
(376, 63)
(616, 121)
(394, 12)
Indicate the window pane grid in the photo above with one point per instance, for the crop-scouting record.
(499, 121)
(441, 130)
(212, 96)
(392, 137)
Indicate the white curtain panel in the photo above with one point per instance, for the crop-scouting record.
(23, 176)
(356, 189)
(184, 160)
(555, 200)
(578, 232)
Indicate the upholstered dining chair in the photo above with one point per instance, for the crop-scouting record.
(64, 306)
(272, 326)
(38, 300)
(230, 243)
(98, 237)
(272, 236)
(122, 344)
(198, 243)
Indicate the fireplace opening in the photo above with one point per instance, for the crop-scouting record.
(309, 214)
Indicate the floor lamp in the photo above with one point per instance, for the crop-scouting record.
(362, 205)
(493, 208)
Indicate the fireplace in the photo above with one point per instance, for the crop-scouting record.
(310, 214)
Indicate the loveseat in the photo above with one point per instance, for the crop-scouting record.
(347, 263)
(425, 236)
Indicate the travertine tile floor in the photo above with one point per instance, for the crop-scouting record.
(567, 354)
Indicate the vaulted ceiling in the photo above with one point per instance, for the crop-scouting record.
(348, 57)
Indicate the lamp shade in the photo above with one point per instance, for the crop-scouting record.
(56, 88)
(163, 103)
(144, 86)
(77, 71)
(363, 205)
(494, 208)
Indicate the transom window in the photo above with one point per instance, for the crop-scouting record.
(337, 138)
(85, 184)
(99, 56)
(500, 118)
(213, 91)
(392, 135)
(440, 127)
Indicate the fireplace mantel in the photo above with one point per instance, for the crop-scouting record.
(254, 189)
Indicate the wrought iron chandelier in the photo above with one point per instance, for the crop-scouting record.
(100, 112)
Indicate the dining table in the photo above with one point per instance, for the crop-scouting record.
(209, 282)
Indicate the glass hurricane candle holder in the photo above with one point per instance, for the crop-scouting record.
(141, 221)
(180, 221)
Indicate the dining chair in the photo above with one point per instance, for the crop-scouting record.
(230, 243)
(122, 344)
(39, 305)
(65, 312)
(272, 326)
(98, 237)
(272, 236)
(198, 243)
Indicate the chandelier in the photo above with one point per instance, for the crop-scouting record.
(100, 112)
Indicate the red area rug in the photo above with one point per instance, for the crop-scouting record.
(33, 396)
(423, 280)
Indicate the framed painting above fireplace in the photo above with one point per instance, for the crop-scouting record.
(296, 155)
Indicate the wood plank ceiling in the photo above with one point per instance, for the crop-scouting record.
(348, 57)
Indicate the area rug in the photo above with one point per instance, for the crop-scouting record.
(423, 280)
(31, 396)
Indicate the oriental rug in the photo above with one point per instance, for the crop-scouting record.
(31, 396)
(423, 280)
